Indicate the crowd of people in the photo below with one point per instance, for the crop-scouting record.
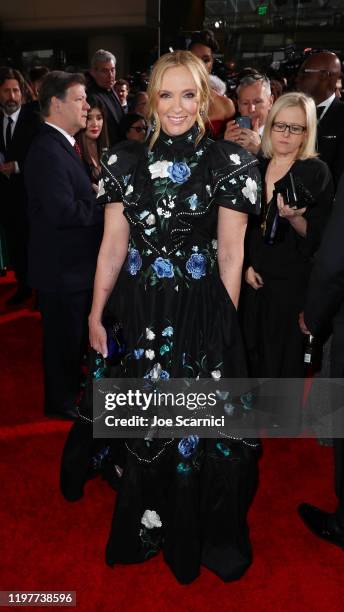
(205, 228)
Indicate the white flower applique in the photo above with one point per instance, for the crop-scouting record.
(101, 190)
(159, 169)
(250, 191)
(129, 190)
(150, 335)
(151, 519)
(150, 219)
(150, 354)
(112, 160)
(235, 159)
(216, 374)
(155, 371)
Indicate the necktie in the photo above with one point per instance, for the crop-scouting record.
(9, 132)
(77, 149)
(320, 110)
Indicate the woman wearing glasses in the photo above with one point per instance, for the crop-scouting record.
(298, 199)
(134, 127)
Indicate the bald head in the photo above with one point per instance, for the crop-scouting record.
(318, 75)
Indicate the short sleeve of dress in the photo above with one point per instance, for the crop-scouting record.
(118, 165)
(235, 177)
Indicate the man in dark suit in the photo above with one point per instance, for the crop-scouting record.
(100, 81)
(65, 234)
(18, 125)
(325, 307)
(318, 77)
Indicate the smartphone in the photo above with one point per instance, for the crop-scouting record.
(244, 122)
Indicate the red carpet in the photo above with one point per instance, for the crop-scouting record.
(49, 544)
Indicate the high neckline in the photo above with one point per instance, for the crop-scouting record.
(187, 138)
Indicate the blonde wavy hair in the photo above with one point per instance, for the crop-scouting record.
(199, 73)
(288, 100)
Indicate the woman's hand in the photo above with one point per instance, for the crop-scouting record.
(97, 335)
(253, 278)
(302, 324)
(285, 211)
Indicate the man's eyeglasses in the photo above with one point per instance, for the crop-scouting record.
(315, 70)
(138, 128)
(293, 128)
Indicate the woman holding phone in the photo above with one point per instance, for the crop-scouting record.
(297, 201)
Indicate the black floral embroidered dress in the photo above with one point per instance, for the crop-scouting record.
(189, 497)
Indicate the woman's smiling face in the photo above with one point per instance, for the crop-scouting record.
(177, 101)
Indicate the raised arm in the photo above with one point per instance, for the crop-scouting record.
(112, 254)
(230, 235)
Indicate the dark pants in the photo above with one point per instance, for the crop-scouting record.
(65, 335)
(337, 371)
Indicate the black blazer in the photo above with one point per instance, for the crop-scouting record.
(114, 109)
(66, 224)
(12, 190)
(325, 297)
(331, 139)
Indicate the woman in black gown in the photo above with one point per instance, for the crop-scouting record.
(281, 244)
(175, 292)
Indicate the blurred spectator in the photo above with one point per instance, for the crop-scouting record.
(36, 76)
(339, 87)
(221, 109)
(100, 81)
(254, 101)
(93, 140)
(139, 103)
(122, 90)
(276, 89)
(18, 125)
(134, 127)
(318, 78)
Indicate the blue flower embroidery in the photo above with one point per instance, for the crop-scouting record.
(168, 331)
(179, 172)
(164, 349)
(183, 468)
(193, 202)
(163, 268)
(188, 445)
(164, 375)
(195, 265)
(224, 450)
(138, 353)
(134, 262)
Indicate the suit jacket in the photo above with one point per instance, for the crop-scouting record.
(13, 195)
(331, 139)
(325, 297)
(66, 224)
(114, 110)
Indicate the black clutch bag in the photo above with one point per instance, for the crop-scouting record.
(294, 192)
(295, 195)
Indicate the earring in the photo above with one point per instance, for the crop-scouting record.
(153, 124)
